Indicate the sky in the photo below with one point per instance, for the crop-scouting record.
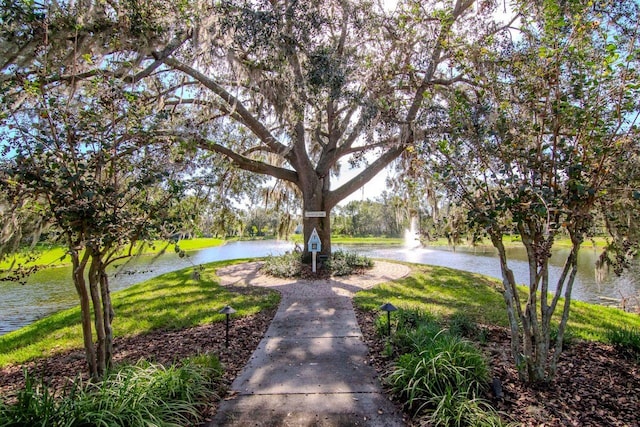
(370, 190)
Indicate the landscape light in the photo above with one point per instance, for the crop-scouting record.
(227, 310)
(388, 307)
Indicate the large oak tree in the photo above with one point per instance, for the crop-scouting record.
(290, 89)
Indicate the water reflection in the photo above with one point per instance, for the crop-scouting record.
(52, 290)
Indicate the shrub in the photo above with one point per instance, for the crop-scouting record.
(343, 263)
(462, 325)
(454, 409)
(450, 364)
(340, 264)
(287, 265)
(439, 373)
(35, 406)
(415, 340)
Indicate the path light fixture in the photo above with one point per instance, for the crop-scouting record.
(388, 307)
(227, 310)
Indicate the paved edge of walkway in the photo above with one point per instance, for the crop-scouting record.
(311, 367)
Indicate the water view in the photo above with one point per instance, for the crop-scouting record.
(51, 290)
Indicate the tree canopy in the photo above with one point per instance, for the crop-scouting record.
(289, 89)
(538, 146)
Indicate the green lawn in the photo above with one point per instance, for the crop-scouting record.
(171, 301)
(515, 242)
(347, 240)
(55, 256)
(444, 291)
(175, 301)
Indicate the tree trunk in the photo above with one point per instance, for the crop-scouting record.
(322, 225)
(85, 310)
(512, 300)
(108, 313)
(96, 299)
(314, 196)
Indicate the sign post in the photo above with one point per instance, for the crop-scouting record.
(314, 246)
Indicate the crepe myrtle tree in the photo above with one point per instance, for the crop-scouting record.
(82, 162)
(288, 89)
(539, 146)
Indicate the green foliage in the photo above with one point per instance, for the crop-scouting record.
(438, 373)
(454, 409)
(415, 330)
(626, 340)
(341, 263)
(287, 265)
(386, 216)
(461, 324)
(35, 406)
(344, 263)
(135, 395)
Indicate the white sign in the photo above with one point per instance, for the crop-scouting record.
(315, 214)
(314, 244)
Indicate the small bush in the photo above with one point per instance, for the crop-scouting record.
(456, 410)
(344, 263)
(462, 325)
(287, 265)
(35, 406)
(626, 340)
(415, 330)
(340, 264)
(449, 364)
(438, 372)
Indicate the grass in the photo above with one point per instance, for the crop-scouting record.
(171, 301)
(56, 256)
(515, 242)
(143, 394)
(347, 240)
(176, 301)
(444, 292)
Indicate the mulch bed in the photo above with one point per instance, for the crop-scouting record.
(163, 347)
(596, 386)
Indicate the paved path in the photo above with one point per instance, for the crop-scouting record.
(310, 369)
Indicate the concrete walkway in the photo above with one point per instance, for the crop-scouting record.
(310, 369)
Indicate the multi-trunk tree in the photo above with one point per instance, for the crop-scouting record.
(83, 163)
(539, 147)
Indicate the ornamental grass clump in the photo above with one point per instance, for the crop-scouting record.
(344, 263)
(626, 340)
(439, 374)
(143, 394)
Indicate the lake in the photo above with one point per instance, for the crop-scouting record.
(51, 290)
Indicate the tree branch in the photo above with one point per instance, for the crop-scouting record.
(242, 114)
(363, 177)
(239, 160)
